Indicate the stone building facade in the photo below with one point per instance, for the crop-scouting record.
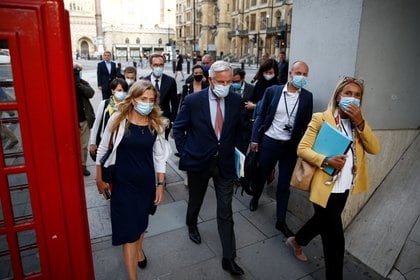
(130, 28)
(234, 29)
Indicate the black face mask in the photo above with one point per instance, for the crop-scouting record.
(198, 78)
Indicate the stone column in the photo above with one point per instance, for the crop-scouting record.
(99, 32)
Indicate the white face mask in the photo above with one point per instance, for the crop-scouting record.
(268, 76)
(129, 81)
(221, 90)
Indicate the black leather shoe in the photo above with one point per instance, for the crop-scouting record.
(194, 235)
(142, 264)
(86, 172)
(253, 204)
(284, 229)
(232, 267)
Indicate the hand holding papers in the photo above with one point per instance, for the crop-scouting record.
(331, 142)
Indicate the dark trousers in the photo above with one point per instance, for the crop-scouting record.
(197, 187)
(327, 222)
(272, 151)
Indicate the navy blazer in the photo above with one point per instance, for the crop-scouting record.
(168, 96)
(103, 76)
(267, 110)
(196, 140)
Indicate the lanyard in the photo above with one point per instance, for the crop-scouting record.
(287, 108)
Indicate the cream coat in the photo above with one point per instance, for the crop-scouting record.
(365, 141)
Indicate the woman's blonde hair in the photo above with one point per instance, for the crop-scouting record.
(157, 123)
(332, 105)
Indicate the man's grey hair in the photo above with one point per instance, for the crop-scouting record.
(219, 66)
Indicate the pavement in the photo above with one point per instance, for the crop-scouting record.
(261, 249)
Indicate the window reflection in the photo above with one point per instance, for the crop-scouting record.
(11, 138)
(6, 271)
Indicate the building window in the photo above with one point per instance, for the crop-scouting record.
(263, 1)
(138, 41)
(160, 41)
(278, 18)
(127, 41)
(252, 23)
(253, 3)
(264, 20)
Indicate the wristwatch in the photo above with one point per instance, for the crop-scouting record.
(325, 162)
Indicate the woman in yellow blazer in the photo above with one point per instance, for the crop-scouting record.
(329, 193)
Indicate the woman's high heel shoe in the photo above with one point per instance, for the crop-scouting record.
(142, 264)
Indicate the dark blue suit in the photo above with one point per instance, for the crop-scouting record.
(168, 97)
(104, 77)
(203, 156)
(272, 151)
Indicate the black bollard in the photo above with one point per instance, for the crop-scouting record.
(242, 65)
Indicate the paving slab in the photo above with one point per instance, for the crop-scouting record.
(168, 217)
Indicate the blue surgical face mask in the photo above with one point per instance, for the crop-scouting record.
(345, 101)
(120, 95)
(157, 71)
(143, 108)
(236, 85)
(221, 90)
(206, 67)
(299, 81)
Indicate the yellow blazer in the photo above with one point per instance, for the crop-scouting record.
(364, 141)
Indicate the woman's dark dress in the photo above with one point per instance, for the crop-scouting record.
(133, 190)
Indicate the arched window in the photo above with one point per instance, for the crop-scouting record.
(160, 41)
(127, 41)
(138, 40)
(278, 18)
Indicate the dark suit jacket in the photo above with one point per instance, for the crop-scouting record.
(196, 140)
(168, 96)
(246, 116)
(283, 71)
(104, 77)
(265, 114)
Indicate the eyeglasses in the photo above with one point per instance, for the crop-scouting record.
(351, 79)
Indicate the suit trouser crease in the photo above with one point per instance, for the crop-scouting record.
(283, 153)
(197, 187)
(327, 222)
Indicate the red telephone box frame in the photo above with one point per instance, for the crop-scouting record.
(38, 34)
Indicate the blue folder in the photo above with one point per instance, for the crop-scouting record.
(331, 142)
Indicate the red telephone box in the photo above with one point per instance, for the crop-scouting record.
(44, 231)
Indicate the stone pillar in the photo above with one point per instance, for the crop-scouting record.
(99, 32)
(223, 27)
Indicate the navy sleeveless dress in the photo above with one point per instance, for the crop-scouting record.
(133, 189)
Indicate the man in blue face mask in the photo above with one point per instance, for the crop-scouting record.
(206, 130)
(166, 86)
(279, 125)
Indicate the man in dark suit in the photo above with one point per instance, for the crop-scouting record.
(105, 73)
(283, 68)
(166, 86)
(246, 92)
(206, 131)
(280, 124)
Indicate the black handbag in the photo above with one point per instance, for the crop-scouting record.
(251, 170)
(108, 172)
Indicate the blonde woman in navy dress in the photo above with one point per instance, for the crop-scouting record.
(139, 154)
